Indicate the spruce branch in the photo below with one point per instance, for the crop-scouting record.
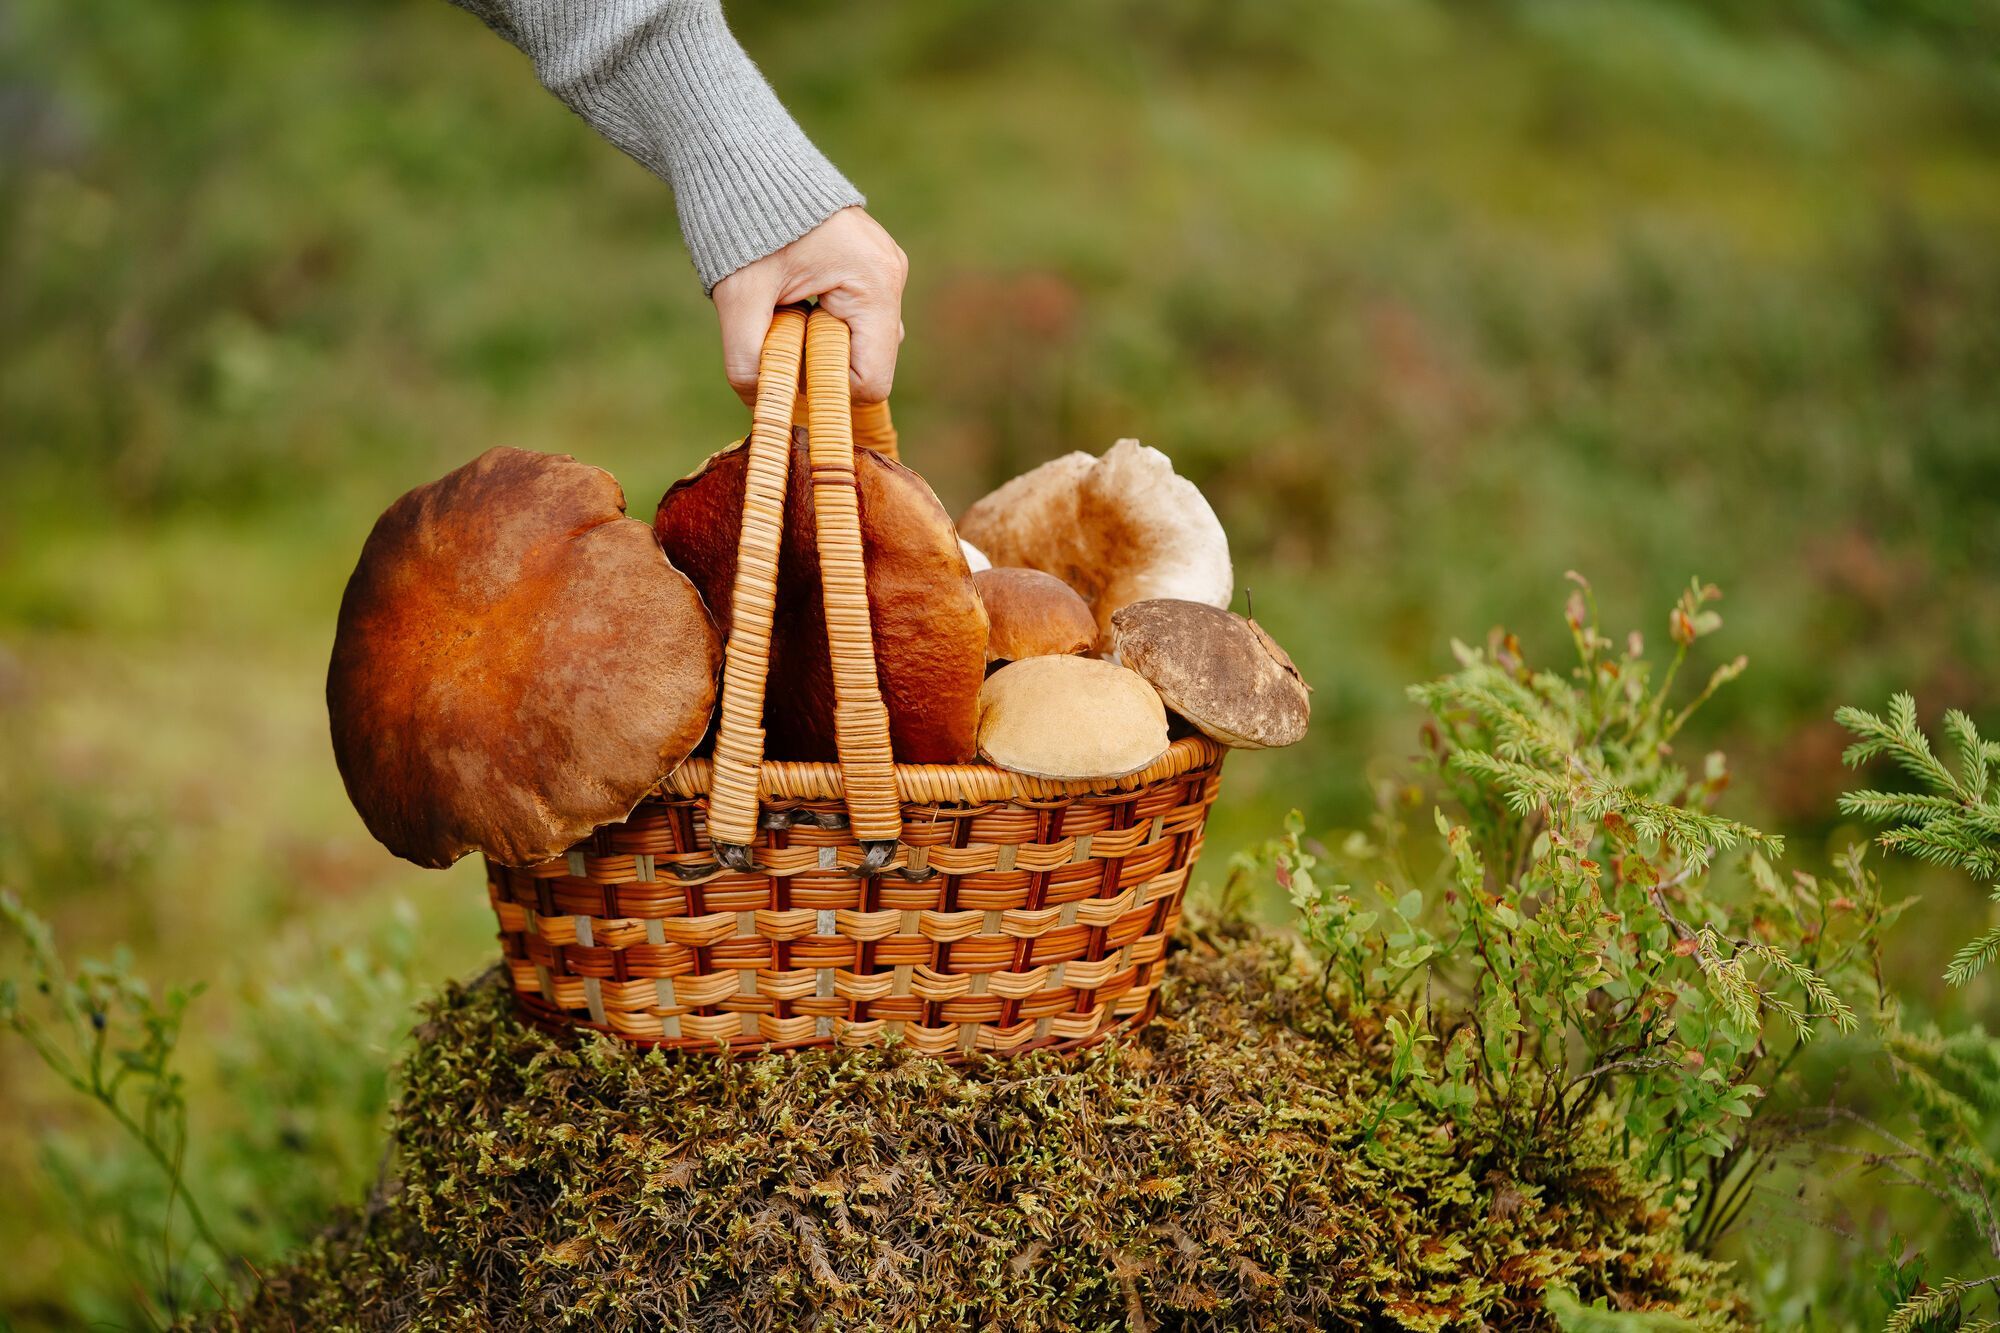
(1728, 982)
(1973, 959)
(1955, 822)
(1821, 996)
(1695, 835)
(1936, 1303)
(1946, 842)
(1975, 757)
(1900, 738)
(1882, 807)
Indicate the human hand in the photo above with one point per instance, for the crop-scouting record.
(855, 269)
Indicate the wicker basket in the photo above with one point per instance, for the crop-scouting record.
(761, 905)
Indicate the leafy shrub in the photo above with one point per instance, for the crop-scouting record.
(1577, 951)
(1591, 943)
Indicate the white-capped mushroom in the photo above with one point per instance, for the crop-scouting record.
(1070, 718)
(1118, 529)
(1032, 614)
(1221, 672)
(975, 559)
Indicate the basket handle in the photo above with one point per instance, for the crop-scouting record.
(872, 427)
(739, 739)
(861, 721)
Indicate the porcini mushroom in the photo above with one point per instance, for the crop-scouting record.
(1032, 615)
(1221, 672)
(929, 626)
(1070, 718)
(975, 559)
(1118, 529)
(516, 663)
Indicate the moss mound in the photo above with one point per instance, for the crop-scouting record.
(1216, 1171)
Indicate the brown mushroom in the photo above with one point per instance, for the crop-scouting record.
(1118, 529)
(1221, 672)
(516, 663)
(1033, 615)
(1070, 718)
(930, 629)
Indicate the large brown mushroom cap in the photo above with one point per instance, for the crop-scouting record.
(1219, 671)
(1033, 615)
(930, 629)
(1070, 718)
(516, 663)
(1119, 529)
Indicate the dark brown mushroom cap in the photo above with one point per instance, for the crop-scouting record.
(930, 629)
(1219, 671)
(1033, 615)
(516, 663)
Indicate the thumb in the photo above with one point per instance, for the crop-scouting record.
(744, 302)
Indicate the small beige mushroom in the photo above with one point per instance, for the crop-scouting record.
(1221, 672)
(1070, 718)
(1119, 529)
(1033, 615)
(516, 663)
(975, 559)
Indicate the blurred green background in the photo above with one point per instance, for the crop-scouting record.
(1434, 300)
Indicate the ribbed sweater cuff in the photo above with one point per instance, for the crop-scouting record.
(667, 82)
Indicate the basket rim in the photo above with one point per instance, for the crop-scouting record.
(780, 779)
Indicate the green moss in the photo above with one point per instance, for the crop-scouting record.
(1214, 1172)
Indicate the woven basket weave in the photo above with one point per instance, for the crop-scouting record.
(761, 905)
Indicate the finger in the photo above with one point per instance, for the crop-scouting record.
(875, 332)
(744, 302)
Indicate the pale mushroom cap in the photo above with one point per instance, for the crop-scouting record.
(1026, 523)
(516, 663)
(975, 559)
(1159, 535)
(1070, 718)
(1221, 672)
(1033, 615)
(1118, 529)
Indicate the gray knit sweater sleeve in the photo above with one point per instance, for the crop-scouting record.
(667, 82)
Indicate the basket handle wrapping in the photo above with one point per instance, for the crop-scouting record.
(861, 720)
(739, 739)
(872, 427)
